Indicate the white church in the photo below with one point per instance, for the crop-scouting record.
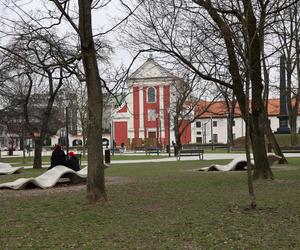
(144, 113)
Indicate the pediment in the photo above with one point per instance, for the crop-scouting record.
(149, 70)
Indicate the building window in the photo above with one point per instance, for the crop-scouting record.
(151, 114)
(198, 124)
(233, 123)
(215, 124)
(151, 94)
(199, 133)
(215, 138)
(199, 139)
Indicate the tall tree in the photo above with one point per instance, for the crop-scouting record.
(287, 31)
(38, 62)
(229, 32)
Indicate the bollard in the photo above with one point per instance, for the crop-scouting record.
(107, 156)
(175, 150)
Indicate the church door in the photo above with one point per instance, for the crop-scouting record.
(151, 134)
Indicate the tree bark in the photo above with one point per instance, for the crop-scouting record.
(37, 162)
(257, 127)
(293, 128)
(249, 170)
(272, 140)
(262, 168)
(95, 181)
(177, 132)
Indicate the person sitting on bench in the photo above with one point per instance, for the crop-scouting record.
(73, 162)
(58, 157)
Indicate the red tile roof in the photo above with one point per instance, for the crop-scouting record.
(218, 109)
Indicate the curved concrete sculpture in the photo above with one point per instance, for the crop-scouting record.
(6, 168)
(48, 179)
(239, 163)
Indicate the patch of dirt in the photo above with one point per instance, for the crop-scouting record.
(59, 188)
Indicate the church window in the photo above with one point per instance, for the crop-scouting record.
(151, 94)
(152, 115)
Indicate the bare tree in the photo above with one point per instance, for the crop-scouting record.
(237, 26)
(287, 32)
(185, 108)
(39, 59)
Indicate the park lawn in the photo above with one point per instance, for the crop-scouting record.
(161, 206)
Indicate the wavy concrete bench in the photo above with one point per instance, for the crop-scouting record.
(48, 179)
(239, 163)
(6, 168)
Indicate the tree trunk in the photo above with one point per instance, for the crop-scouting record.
(293, 127)
(249, 170)
(257, 126)
(177, 133)
(262, 168)
(37, 162)
(95, 181)
(84, 145)
(272, 140)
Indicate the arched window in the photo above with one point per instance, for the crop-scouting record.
(77, 142)
(151, 94)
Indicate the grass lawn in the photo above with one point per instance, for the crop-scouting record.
(284, 140)
(160, 206)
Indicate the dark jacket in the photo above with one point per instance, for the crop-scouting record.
(73, 163)
(58, 158)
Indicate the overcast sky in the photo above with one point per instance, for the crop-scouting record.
(103, 19)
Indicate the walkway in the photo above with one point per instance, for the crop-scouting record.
(207, 156)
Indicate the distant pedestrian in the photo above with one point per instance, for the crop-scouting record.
(122, 149)
(58, 157)
(27, 149)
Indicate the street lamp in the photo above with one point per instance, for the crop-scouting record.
(169, 132)
(211, 133)
(112, 140)
(67, 126)
(157, 131)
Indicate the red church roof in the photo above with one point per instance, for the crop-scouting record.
(219, 109)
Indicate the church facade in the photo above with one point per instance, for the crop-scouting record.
(143, 117)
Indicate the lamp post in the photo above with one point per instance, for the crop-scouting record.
(212, 133)
(67, 127)
(229, 143)
(169, 132)
(112, 140)
(157, 131)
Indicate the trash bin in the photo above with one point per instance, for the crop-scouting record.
(10, 151)
(107, 156)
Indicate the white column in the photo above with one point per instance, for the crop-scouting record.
(129, 100)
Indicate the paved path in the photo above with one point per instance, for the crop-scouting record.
(185, 158)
